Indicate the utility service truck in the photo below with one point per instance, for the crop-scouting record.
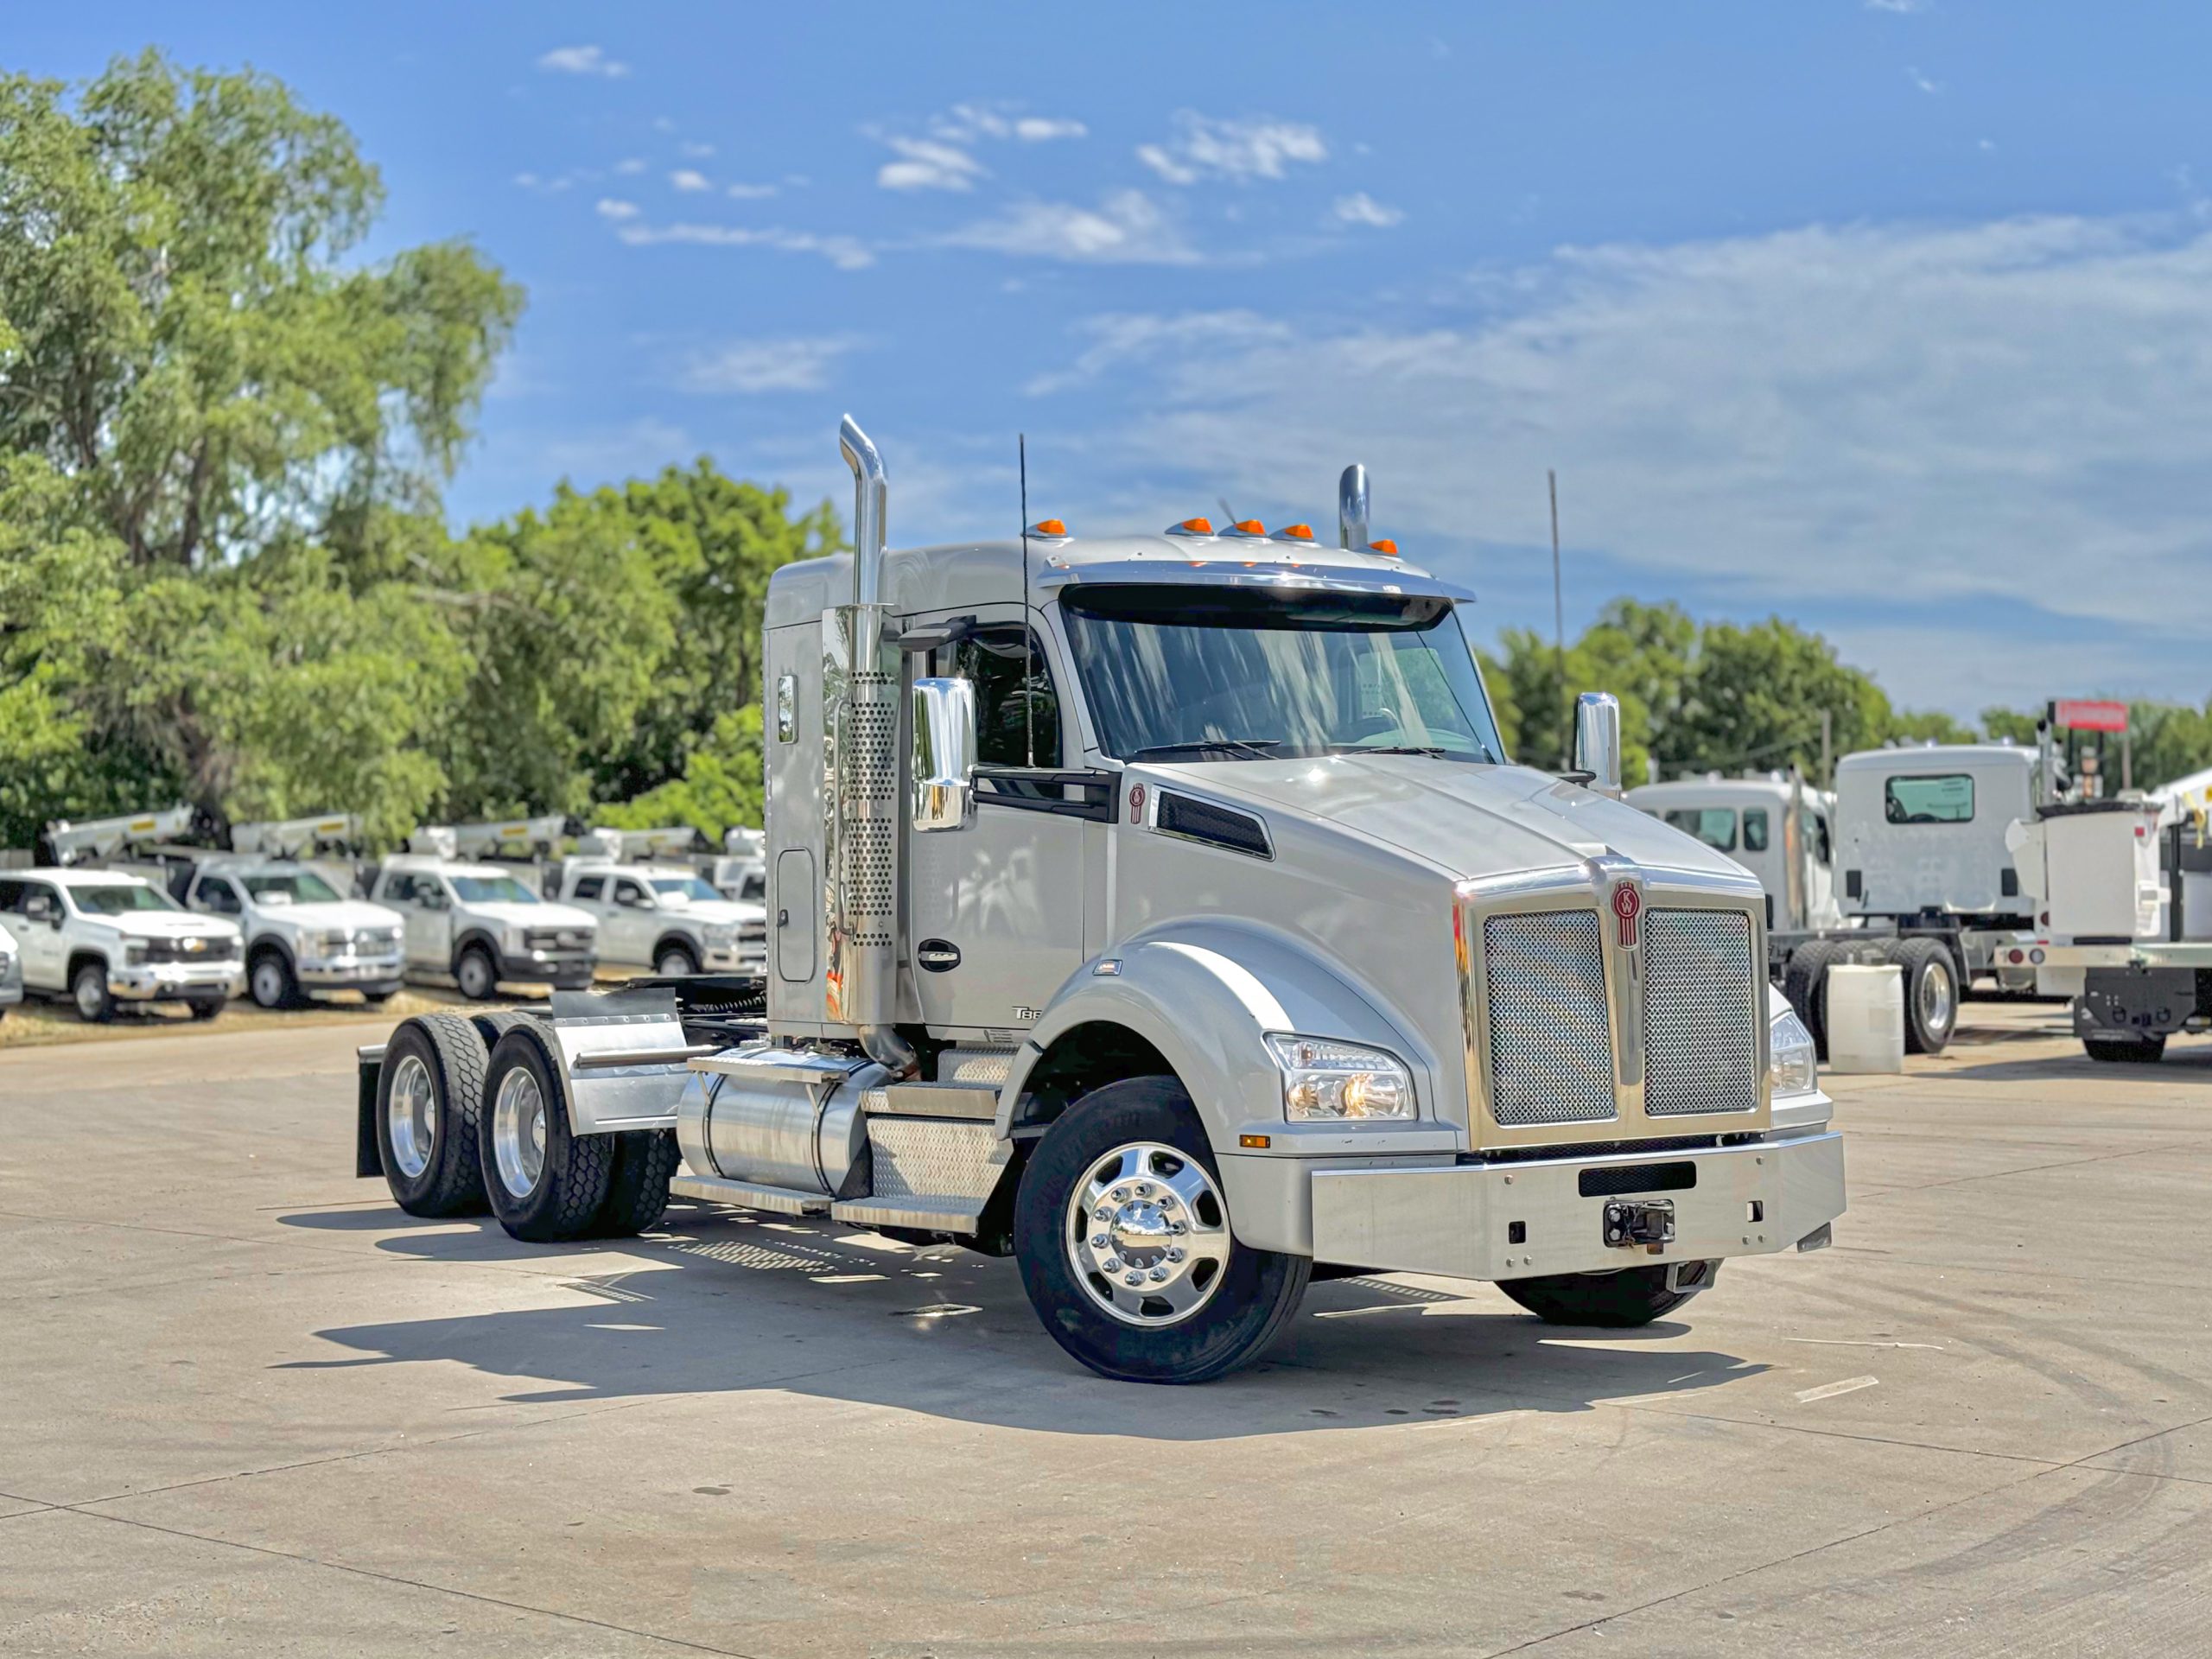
(741, 870)
(480, 926)
(304, 939)
(661, 916)
(1162, 911)
(104, 937)
(534, 844)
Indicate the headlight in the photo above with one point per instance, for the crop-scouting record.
(721, 937)
(1793, 1070)
(333, 944)
(1324, 1080)
(134, 951)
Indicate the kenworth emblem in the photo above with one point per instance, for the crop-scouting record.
(1628, 904)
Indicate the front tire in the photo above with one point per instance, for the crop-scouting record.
(477, 975)
(1123, 1233)
(88, 990)
(429, 1090)
(675, 961)
(546, 1186)
(1610, 1302)
(272, 982)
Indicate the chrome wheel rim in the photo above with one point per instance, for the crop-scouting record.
(476, 979)
(1936, 997)
(519, 1131)
(411, 1117)
(89, 988)
(268, 984)
(1147, 1234)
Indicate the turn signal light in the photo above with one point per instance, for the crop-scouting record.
(1048, 527)
(1385, 546)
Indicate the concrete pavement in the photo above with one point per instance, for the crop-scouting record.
(247, 1406)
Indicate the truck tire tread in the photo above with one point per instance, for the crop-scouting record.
(572, 1184)
(453, 1185)
(637, 1190)
(1804, 984)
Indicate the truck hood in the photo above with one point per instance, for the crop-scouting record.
(167, 924)
(561, 916)
(1470, 820)
(349, 914)
(715, 913)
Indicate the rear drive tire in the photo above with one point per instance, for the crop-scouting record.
(2125, 1050)
(1609, 1301)
(546, 1185)
(1931, 995)
(637, 1190)
(88, 990)
(429, 1091)
(675, 961)
(477, 975)
(1125, 1178)
(1805, 983)
(272, 982)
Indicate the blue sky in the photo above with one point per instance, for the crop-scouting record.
(1895, 318)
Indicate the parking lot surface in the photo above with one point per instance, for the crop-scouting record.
(247, 1406)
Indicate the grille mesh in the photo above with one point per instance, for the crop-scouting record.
(1551, 1046)
(1701, 1048)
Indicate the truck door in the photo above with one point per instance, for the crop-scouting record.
(996, 909)
(429, 933)
(627, 934)
(45, 952)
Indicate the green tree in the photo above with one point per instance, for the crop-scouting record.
(720, 785)
(1754, 698)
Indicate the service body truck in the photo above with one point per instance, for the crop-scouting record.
(302, 938)
(666, 917)
(482, 927)
(1171, 920)
(102, 937)
(11, 972)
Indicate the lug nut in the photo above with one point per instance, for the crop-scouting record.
(1101, 1213)
(1177, 1226)
(1098, 1241)
(1175, 1253)
(1144, 1189)
(1159, 1276)
(1133, 1279)
(1112, 1264)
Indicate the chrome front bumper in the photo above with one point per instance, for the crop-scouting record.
(170, 981)
(1522, 1219)
(348, 973)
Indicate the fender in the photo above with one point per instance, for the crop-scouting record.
(1204, 994)
(269, 939)
(474, 935)
(695, 943)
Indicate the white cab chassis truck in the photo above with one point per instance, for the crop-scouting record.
(100, 936)
(666, 917)
(1170, 921)
(303, 940)
(481, 927)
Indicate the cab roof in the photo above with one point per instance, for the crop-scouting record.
(957, 575)
(80, 877)
(431, 864)
(1988, 757)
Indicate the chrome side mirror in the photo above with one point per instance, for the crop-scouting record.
(1598, 740)
(944, 753)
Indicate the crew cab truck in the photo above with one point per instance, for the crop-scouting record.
(1162, 911)
(100, 937)
(302, 939)
(666, 917)
(480, 926)
(11, 973)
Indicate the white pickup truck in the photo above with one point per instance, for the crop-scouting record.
(302, 939)
(11, 973)
(99, 937)
(668, 919)
(477, 923)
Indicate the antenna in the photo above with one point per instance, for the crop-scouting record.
(1028, 667)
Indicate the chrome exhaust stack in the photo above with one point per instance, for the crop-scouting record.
(861, 676)
(1351, 507)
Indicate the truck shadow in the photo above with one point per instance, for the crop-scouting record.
(2187, 1060)
(714, 1304)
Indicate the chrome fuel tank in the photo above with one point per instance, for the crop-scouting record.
(779, 1118)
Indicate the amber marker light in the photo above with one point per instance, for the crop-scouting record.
(1258, 1142)
(1298, 532)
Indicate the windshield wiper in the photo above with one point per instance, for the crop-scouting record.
(1251, 748)
(1395, 749)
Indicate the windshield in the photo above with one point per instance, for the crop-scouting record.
(293, 886)
(113, 901)
(1235, 674)
(689, 886)
(493, 890)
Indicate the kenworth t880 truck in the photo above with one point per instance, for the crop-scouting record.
(1163, 912)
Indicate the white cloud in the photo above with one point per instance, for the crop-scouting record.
(1121, 339)
(1901, 7)
(751, 191)
(846, 252)
(1239, 151)
(1930, 87)
(1040, 129)
(630, 164)
(685, 178)
(1126, 228)
(1998, 430)
(965, 123)
(609, 209)
(1360, 208)
(583, 61)
(798, 364)
(695, 149)
(928, 164)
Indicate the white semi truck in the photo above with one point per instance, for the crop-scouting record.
(1162, 911)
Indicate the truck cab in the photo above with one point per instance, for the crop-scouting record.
(101, 937)
(666, 917)
(1775, 826)
(303, 940)
(481, 925)
(1164, 911)
(11, 972)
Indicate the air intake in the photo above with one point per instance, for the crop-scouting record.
(1216, 826)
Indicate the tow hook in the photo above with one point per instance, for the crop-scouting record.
(1646, 1222)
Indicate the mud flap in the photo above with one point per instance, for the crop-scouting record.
(368, 1155)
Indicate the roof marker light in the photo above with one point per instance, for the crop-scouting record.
(1191, 527)
(1048, 527)
(1250, 527)
(1297, 533)
(1388, 547)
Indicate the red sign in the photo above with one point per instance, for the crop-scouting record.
(1628, 904)
(2081, 715)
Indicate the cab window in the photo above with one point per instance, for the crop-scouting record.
(398, 890)
(630, 894)
(1007, 702)
(1947, 799)
(218, 896)
(1755, 829)
(1713, 825)
(1816, 835)
(591, 887)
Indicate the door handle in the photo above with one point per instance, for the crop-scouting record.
(783, 919)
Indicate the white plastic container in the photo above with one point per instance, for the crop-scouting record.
(1866, 1018)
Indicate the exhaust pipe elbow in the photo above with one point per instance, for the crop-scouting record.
(871, 500)
(1351, 507)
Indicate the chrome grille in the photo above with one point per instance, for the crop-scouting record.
(1551, 1045)
(1700, 1047)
